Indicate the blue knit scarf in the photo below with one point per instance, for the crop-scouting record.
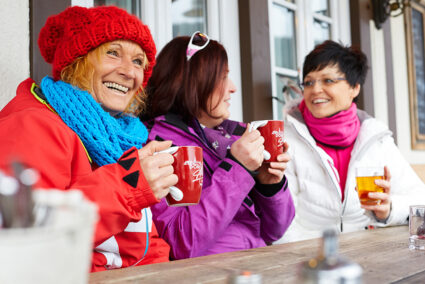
(106, 138)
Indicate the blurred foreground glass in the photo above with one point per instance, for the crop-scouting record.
(365, 177)
(58, 248)
(417, 227)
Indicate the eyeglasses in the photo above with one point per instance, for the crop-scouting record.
(326, 82)
(197, 42)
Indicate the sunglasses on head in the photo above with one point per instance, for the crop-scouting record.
(197, 42)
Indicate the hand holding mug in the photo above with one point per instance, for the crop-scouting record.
(158, 169)
(271, 173)
(248, 149)
(188, 166)
(272, 132)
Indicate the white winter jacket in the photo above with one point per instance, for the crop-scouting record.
(314, 181)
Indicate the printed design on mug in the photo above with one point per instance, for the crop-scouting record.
(198, 173)
(279, 135)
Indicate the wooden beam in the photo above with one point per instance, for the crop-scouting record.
(255, 60)
(40, 10)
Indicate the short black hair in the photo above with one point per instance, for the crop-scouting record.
(351, 61)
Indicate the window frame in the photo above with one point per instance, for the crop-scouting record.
(303, 22)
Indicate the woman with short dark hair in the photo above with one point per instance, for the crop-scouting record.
(243, 204)
(329, 139)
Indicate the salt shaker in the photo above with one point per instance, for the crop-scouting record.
(329, 266)
(245, 277)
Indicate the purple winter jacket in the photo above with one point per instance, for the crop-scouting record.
(231, 215)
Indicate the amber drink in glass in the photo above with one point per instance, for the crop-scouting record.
(365, 178)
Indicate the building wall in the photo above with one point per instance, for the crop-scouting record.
(14, 47)
(400, 85)
(401, 88)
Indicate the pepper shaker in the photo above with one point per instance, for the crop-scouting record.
(329, 266)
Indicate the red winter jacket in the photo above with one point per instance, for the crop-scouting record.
(35, 135)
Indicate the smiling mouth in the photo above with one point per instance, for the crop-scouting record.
(320, 101)
(116, 87)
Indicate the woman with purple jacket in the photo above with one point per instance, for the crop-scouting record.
(244, 203)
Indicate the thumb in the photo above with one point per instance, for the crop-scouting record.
(248, 129)
(154, 146)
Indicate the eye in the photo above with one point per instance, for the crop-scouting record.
(112, 52)
(138, 62)
(308, 83)
(328, 81)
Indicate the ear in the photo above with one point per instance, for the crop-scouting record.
(355, 91)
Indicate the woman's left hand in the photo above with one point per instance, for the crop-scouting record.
(382, 210)
(270, 173)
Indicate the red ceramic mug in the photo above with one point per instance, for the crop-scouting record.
(272, 131)
(188, 166)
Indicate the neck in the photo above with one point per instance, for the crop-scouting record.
(208, 121)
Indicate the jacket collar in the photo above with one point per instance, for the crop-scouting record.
(371, 129)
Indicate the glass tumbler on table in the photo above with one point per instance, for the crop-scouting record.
(417, 227)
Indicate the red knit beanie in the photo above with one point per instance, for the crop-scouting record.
(77, 30)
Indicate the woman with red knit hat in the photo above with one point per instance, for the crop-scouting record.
(79, 129)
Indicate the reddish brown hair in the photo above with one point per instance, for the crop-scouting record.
(184, 87)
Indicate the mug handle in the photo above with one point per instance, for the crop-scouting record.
(170, 150)
(253, 126)
(176, 193)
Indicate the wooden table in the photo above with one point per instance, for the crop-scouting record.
(383, 254)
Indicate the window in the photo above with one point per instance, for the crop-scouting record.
(295, 28)
(131, 6)
(283, 53)
(321, 21)
(188, 17)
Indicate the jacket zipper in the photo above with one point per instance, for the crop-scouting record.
(324, 164)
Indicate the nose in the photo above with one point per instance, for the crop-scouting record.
(232, 87)
(317, 86)
(127, 68)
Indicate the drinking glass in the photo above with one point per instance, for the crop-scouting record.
(417, 227)
(365, 178)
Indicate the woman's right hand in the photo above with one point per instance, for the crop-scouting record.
(248, 149)
(158, 169)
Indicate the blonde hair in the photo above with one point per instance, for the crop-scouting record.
(80, 73)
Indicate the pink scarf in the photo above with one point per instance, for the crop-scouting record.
(339, 130)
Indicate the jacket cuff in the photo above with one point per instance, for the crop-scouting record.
(140, 194)
(383, 221)
(268, 190)
(231, 157)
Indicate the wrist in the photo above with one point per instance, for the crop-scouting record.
(383, 219)
(231, 157)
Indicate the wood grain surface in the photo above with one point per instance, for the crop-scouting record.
(383, 254)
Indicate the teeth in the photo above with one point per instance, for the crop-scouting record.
(116, 86)
(318, 101)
